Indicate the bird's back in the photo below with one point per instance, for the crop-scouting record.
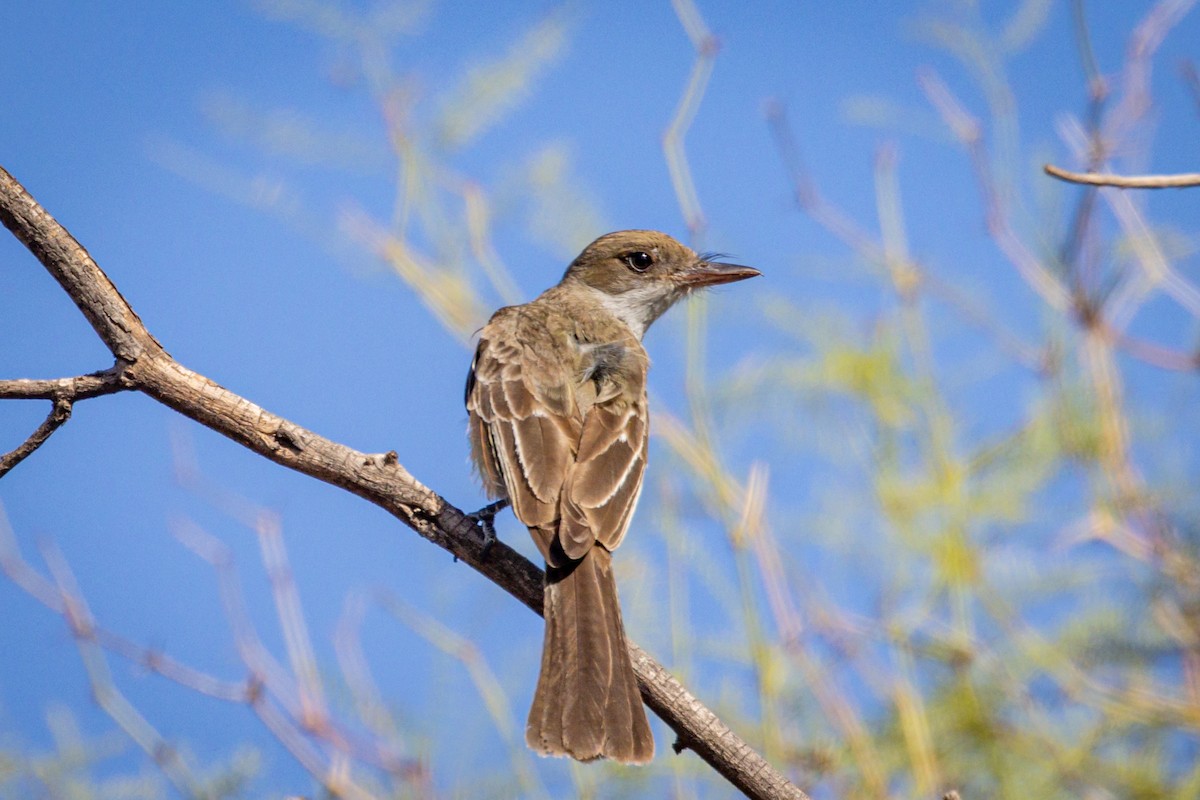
(551, 377)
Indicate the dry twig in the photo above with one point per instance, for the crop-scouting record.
(1181, 181)
(63, 392)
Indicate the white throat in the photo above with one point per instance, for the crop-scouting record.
(638, 307)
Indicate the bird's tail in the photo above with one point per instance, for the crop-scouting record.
(587, 704)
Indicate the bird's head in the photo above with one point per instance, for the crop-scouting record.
(638, 275)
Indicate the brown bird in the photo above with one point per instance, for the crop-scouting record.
(558, 424)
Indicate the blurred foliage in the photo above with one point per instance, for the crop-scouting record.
(1007, 609)
(437, 237)
(1033, 630)
(82, 767)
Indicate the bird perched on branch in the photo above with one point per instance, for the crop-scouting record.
(558, 424)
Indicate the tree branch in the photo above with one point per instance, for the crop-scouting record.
(1181, 181)
(64, 392)
(377, 478)
(81, 387)
(59, 414)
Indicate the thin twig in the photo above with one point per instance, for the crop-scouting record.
(58, 415)
(1180, 181)
(80, 387)
(63, 392)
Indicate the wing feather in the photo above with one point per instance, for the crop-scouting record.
(516, 436)
(564, 440)
(604, 486)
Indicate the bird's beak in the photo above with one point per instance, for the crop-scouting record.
(711, 273)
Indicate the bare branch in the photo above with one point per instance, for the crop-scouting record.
(81, 387)
(64, 392)
(1181, 181)
(377, 478)
(109, 314)
(54, 420)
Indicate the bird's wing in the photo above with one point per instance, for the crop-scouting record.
(606, 479)
(522, 421)
(569, 456)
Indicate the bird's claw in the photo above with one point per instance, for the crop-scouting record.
(483, 518)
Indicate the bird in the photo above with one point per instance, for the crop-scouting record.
(558, 426)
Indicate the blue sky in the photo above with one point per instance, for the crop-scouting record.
(99, 99)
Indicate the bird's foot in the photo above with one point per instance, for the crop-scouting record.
(483, 518)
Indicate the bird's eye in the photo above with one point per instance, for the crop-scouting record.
(639, 262)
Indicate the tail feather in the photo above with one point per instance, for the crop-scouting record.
(587, 703)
